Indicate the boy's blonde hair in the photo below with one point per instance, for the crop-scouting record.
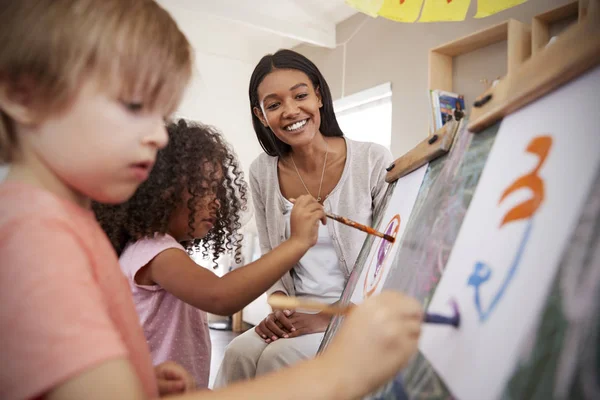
(133, 48)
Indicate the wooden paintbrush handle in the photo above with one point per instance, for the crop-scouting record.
(287, 302)
(360, 227)
(293, 303)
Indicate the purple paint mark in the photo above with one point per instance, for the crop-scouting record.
(383, 249)
(454, 320)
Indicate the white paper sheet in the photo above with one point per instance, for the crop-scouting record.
(397, 214)
(499, 272)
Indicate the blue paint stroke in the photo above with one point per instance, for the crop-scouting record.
(482, 273)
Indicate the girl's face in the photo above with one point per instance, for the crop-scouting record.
(290, 106)
(205, 214)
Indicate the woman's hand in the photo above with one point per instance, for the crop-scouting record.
(276, 325)
(306, 324)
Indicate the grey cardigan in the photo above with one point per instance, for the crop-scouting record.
(357, 194)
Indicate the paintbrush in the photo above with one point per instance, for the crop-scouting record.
(360, 227)
(288, 302)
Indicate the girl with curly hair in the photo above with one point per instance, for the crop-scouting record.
(192, 201)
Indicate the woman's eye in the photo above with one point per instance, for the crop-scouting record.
(302, 96)
(272, 106)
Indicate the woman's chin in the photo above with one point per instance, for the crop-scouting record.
(299, 139)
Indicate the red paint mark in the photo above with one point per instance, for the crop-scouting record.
(401, 2)
(539, 146)
(448, 1)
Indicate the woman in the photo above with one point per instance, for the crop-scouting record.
(305, 152)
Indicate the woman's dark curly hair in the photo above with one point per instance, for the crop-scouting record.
(180, 166)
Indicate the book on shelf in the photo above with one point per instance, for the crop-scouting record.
(445, 106)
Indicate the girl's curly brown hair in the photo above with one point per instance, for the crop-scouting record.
(180, 166)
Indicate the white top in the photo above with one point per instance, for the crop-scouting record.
(318, 275)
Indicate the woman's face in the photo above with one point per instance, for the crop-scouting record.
(290, 106)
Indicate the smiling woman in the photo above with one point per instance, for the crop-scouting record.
(305, 153)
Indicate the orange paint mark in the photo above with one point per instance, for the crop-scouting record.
(539, 146)
(401, 1)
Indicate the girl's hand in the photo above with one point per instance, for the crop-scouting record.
(304, 221)
(309, 323)
(173, 378)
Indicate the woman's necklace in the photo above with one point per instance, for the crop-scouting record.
(322, 174)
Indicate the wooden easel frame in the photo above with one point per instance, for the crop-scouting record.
(575, 51)
(429, 149)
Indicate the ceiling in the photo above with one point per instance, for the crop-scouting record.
(247, 29)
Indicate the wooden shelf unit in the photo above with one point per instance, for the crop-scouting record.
(515, 33)
(541, 23)
(575, 51)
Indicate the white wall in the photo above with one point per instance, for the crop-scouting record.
(218, 95)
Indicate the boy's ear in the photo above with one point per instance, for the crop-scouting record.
(259, 114)
(15, 101)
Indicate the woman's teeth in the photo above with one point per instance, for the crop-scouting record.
(296, 126)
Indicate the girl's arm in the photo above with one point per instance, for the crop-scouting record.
(174, 271)
(353, 365)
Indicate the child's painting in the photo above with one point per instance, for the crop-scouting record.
(501, 269)
(393, 223)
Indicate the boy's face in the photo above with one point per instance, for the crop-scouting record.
(100, 147)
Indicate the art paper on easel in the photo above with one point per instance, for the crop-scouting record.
(393, 223)
(505, 257)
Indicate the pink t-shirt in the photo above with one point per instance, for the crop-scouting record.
(174, 330)
(65, 305)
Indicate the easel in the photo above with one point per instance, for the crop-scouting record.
(576, 51)
(429, 149)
